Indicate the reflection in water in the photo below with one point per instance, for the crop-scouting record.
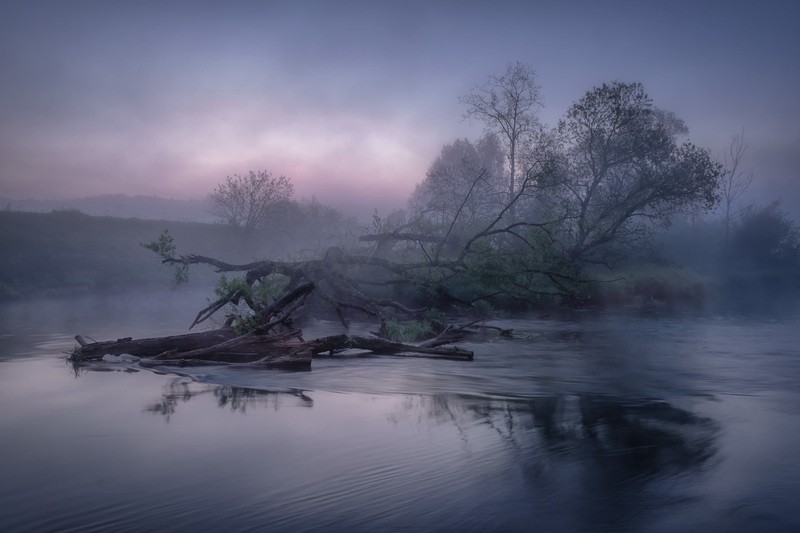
(239, 399)
(79, 369)
(580, 461)
(647, 433)
(588, 461)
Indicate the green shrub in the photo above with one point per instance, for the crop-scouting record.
(409, 331)
(261, 293)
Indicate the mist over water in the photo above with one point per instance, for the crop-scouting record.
(628, 421)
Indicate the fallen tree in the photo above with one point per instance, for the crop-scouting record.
(287, 350)
(273, 292)
(266, 336)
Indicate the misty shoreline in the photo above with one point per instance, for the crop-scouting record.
(69, 254)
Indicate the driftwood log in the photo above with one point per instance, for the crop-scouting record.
(153, 346)
(279, 350)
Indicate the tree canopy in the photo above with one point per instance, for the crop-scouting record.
(623, 168)
(247, 201)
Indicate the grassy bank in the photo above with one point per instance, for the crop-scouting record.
(649, 285)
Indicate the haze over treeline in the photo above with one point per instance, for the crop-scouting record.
(120, 205)
(353, 100)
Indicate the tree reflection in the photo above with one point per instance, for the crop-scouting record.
(80, 368)
(238, 399)
(598, 460)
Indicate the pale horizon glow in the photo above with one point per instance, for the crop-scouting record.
(353, 101)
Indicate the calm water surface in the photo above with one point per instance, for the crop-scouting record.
(620, 422)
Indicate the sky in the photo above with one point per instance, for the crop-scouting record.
(353, 100)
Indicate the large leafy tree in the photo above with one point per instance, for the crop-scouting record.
(624, 169)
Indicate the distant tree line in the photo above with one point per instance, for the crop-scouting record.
(258, 204)
(745, 247)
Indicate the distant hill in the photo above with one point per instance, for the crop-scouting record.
(120, 205)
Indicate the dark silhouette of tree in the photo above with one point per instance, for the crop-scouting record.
(247, 202)
(625, 170)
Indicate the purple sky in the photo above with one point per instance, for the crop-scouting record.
(353, 100)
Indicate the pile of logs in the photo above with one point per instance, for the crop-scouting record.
(275, 342)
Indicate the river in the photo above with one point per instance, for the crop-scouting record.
(624, 421)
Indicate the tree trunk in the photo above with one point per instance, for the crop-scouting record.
(153, 346)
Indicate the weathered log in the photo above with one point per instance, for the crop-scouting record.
(153, 346)
(292, 359)
(268, 349)
(248, 343)
(285, 350)
(286, 304)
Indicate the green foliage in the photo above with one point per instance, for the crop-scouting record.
(431, 323)
(649, 285)
(226, 287)
(423, 328)
(510, 274)
(409, 331)
(432, 313)
(258, 295)
(245, 324)
(165, 247)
